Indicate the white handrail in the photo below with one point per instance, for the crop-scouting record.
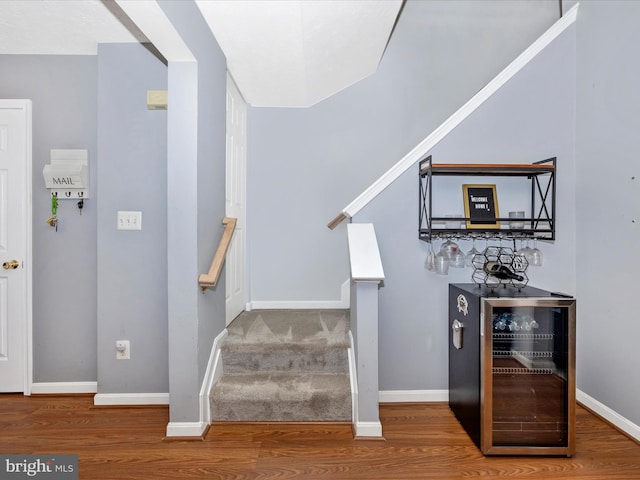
(458, 117)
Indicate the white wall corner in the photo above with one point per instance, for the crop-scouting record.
(609, 415)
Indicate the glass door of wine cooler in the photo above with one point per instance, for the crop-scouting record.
(528, 368)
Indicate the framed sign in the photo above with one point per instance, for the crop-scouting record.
(481, 206)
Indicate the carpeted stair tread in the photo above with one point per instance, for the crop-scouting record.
(284, 365)
(298, 327)
(284, 359)
(282, 397)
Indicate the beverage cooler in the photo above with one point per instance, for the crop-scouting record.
(512, 368)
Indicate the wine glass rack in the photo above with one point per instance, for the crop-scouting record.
(539, 223)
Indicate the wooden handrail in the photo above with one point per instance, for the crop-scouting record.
(207, 280)
(337, 221)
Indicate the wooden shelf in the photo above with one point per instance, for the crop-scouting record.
(539, 221)
(510, 169)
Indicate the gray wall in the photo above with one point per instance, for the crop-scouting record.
(63, 91)
(333, 151)
(305, 165)
(94, 284)
(531, 118)
(196, 163)
(132, 268)
(608, 196)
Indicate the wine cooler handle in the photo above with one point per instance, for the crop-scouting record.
(457, 328)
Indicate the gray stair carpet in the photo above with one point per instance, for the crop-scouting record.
(284, 365)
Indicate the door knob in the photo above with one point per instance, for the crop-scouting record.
(11, 265)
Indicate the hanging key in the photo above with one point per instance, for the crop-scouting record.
(53, 221)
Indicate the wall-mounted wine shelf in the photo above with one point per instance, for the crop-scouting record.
(539, 221)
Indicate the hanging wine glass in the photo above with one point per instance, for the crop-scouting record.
(536, 255)
(457, 259)
(486, 245)
(442, 263)
(452, 252)
(471, 253)
(525, 251)
(448, 247)
(430, 262)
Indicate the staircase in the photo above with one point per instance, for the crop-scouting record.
(284, 365)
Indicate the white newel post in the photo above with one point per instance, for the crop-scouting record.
(367, 276)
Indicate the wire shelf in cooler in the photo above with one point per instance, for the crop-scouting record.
(521, 371)
(523, 336)
(518, 353)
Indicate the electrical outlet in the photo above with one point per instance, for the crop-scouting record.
(129, 220)
(123, 350)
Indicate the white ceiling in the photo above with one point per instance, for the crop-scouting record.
(296, 53)
(280, 52)
(59, 27)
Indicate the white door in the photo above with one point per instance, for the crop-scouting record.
(15, 167)
(236, 198)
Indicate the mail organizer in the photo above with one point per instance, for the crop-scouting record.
(67, 176)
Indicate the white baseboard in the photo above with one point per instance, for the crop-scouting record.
(424, 396)
(342, 303)
(368, 429)
(361, 429)
(103, 399)
(211, 376)
(186, 429)
(345, 294)
(353, 380)
(413, 396)
(176, 429)
(64, 388)
(609, 415)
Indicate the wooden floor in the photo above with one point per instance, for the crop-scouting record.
(421, 442)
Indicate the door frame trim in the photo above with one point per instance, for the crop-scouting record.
(28, 352)
(27, 205)
(231, 86)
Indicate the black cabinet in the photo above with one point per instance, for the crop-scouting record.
(512, 368)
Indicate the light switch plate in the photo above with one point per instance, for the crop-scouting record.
(129, 220)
